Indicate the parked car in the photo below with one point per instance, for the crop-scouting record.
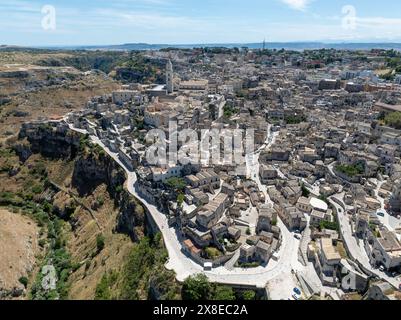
(295, 297)
(297, 236)
(382, 268)
(381, 214)
(297, 291)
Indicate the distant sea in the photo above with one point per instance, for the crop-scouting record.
(297, 46)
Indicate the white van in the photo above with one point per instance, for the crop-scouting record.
(208, 266)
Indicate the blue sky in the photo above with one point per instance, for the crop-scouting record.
(98, 22)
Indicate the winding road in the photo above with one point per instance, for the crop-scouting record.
(355, 247)
(276, 271)
(278, 276)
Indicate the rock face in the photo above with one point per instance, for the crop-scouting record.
(15, 74)
(131, 216)
(92, 170)
(51, 139)
(4, 100)
(23, 151)
(56, 140)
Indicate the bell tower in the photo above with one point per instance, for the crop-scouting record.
(169, 77)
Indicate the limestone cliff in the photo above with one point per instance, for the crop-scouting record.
(86, 189)
(92, 167)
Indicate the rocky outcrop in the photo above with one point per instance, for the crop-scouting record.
(13, 293)
(4, 100)
(23, 150)
(15, 74)
(91, 169)
(132, 215)
(51, 139)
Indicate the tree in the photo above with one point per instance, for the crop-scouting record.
(393, 120)
(180, 199)
(305, 191)
(224, 293)
(177, 184)
(196, 288)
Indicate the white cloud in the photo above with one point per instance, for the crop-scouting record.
(297, 4)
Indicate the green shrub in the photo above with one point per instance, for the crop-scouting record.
(249, 265)
(100, 201)
(212, 253)
(104, 287)
(249, 295)
(224, 293)
(329, 225)
(100, 242)
(37, 189)
(351, 170)
(23, 281)
(295, 119)
(180, 199)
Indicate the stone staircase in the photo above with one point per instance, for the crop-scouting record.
(230, 264)
(303, 248)
(309, 289)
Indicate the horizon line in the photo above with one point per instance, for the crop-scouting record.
(239, 44)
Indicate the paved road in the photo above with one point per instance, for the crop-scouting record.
(274, 273)
(355, 246)
(392, 223)
(278, 275)
(184, 266)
